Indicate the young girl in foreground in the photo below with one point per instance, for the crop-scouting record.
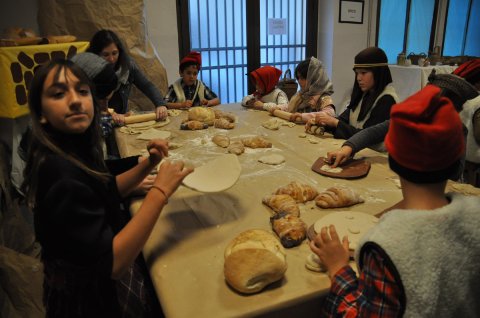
(90, 253)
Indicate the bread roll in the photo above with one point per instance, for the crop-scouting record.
(337, 197)
(53, 39)
(256, 142)
(193, 125)
(202, 114)
(253, 260)
(300, 192)
(236, 147)
(221, 140)
(281, 203)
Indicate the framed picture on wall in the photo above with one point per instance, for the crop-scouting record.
(351, 12)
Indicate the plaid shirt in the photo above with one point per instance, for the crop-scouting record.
(377, 293)
(189, 91)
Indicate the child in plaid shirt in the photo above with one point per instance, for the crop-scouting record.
(189, 91)
(421, 259)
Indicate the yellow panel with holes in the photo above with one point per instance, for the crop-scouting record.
(17, 66)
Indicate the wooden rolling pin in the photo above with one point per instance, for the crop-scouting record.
(282, 114)
(140, 118)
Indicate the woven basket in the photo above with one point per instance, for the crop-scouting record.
(288, 84)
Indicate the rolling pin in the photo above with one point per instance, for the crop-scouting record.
(282, 114)
(140, 118)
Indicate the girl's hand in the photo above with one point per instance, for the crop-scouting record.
(170, 175)
(145, 185)
(258, 104)
(333, 253)
(296, 117)
(326, 120)
(337, 157)
(204, 102)
(309, 124)
(161, 112)
(119, 119)
(158, 149)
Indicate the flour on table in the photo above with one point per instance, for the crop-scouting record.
(154, 134)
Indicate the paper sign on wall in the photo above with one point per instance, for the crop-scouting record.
(277, 26)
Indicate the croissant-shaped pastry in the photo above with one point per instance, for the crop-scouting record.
(256, 142)
(300, 192)
(228, 116)
(281, 203)
(290, 229)
(221, 140)
(236, 147)
(337, 197)
(193, 125)
(223, 123)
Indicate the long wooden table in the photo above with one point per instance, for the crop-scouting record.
(185, 250)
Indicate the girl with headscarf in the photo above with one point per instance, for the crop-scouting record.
(372, 96)
(315, 92)
(266, 95)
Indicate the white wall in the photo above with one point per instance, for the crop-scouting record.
(338, 43)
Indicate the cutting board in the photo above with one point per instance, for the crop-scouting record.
(351, 169)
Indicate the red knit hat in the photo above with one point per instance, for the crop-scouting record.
(425, 138)
(266, 77)
(192, 57)
(470, 71)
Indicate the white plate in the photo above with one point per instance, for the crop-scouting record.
(216, 175)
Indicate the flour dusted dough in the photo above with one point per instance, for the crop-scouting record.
(327, 168)
(314, 263)
(273, 159)
(174, 112)
(216, 175)
(352, 224)
(153, 133)
(138, 128)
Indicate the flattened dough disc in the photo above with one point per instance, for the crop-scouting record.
(352, 169)
(352, 224)
(216, 175)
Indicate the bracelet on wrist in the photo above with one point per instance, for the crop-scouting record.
(162, 191)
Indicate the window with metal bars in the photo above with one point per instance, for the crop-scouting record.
(234, 38)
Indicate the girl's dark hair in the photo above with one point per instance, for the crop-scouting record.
(43, 138)
(104, 38)
(302, 68)
(381, 76)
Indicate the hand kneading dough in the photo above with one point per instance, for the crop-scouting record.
(352, 224)
(216, 175)
(253, 260)
(273, 159)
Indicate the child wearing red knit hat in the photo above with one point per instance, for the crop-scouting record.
(421, 259)
(188, 90)
(266, 95)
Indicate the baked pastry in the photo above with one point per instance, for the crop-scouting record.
(300, 192)
(223, 124)
(221, 140)
(202, 114)
(53, 39)
(337, 197)
(256, 142)
(290, 229)
(193, 125)
(236, 147)
(228, 116)
(253, 260)
(281, 203)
